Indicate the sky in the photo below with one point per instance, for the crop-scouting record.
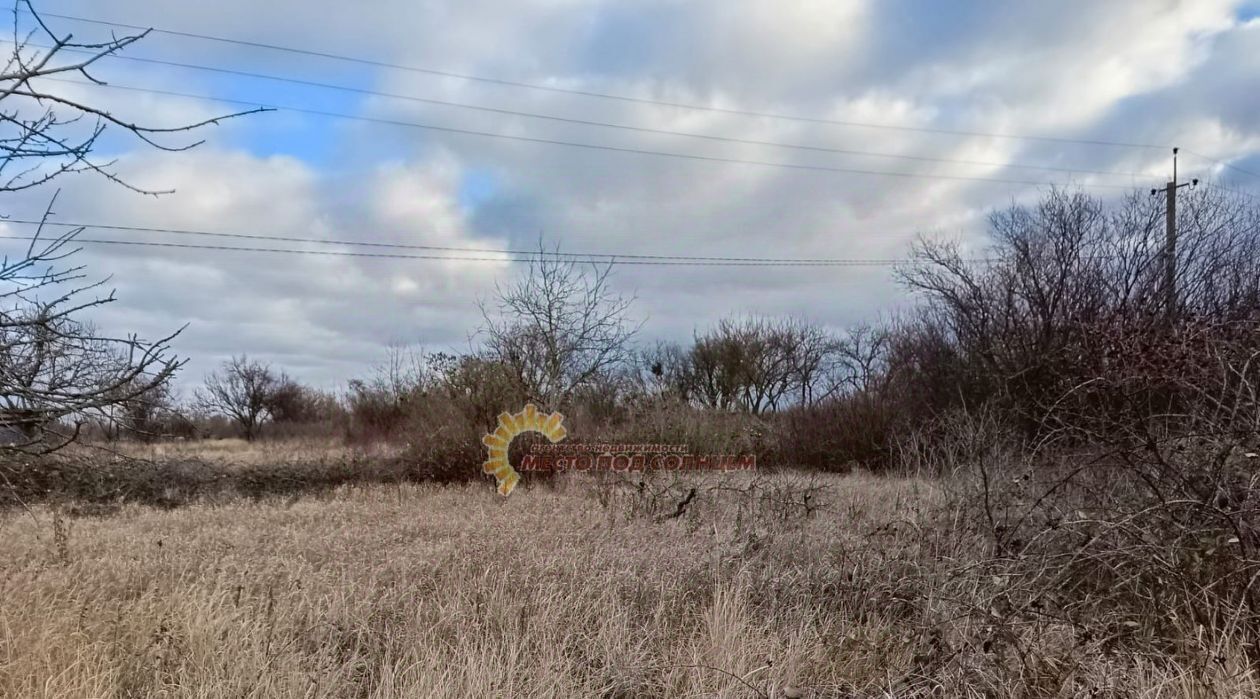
(932, 83)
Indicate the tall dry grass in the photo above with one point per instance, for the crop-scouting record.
(591, 586)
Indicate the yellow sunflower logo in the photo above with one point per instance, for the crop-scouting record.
(497, 442)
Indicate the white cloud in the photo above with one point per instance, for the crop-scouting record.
(1131, 72)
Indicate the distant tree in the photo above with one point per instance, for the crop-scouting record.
(762, 364)
(665, 370)
(291, 402)
(861, 360)
(814, 358)
(379, 403)
(559, 328)
(242, 389)
(146, 416)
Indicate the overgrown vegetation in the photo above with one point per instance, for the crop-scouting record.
(1093, 453)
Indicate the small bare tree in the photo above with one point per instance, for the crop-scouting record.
(560, 328)
(57, 372)
(243, 390)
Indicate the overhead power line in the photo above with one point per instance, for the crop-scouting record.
(1224, 163)
(600, 124)
(599, 95)
(588, 146)
(453, 258)
(440, 248)
(1231, 190)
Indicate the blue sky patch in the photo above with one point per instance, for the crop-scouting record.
(476, 187)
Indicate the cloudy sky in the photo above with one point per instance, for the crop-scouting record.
(943, 87)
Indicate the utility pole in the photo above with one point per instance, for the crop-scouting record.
(1170, 241)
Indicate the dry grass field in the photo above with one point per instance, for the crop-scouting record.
(583, 587)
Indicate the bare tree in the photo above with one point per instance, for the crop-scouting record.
(717, 370)
(56, 372)
(153, 414)
(242, 389)
(665, 370)
(861, 360)
(292, 402)
(145, 415)
(559, 328)
(762, 364)
(47, 134)
(815, 355)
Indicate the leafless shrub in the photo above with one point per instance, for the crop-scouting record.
(1059, 277)
(1157, 510)
(1097, 443)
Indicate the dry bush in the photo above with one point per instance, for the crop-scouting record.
(1063, 285)
(1096, 442)
(1073, 543)
(1137, 517)
(837, 434)
(444, 443)
(673, 422)
(957, 441)
(1138, 541)
(91, 480)
(375, 415)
